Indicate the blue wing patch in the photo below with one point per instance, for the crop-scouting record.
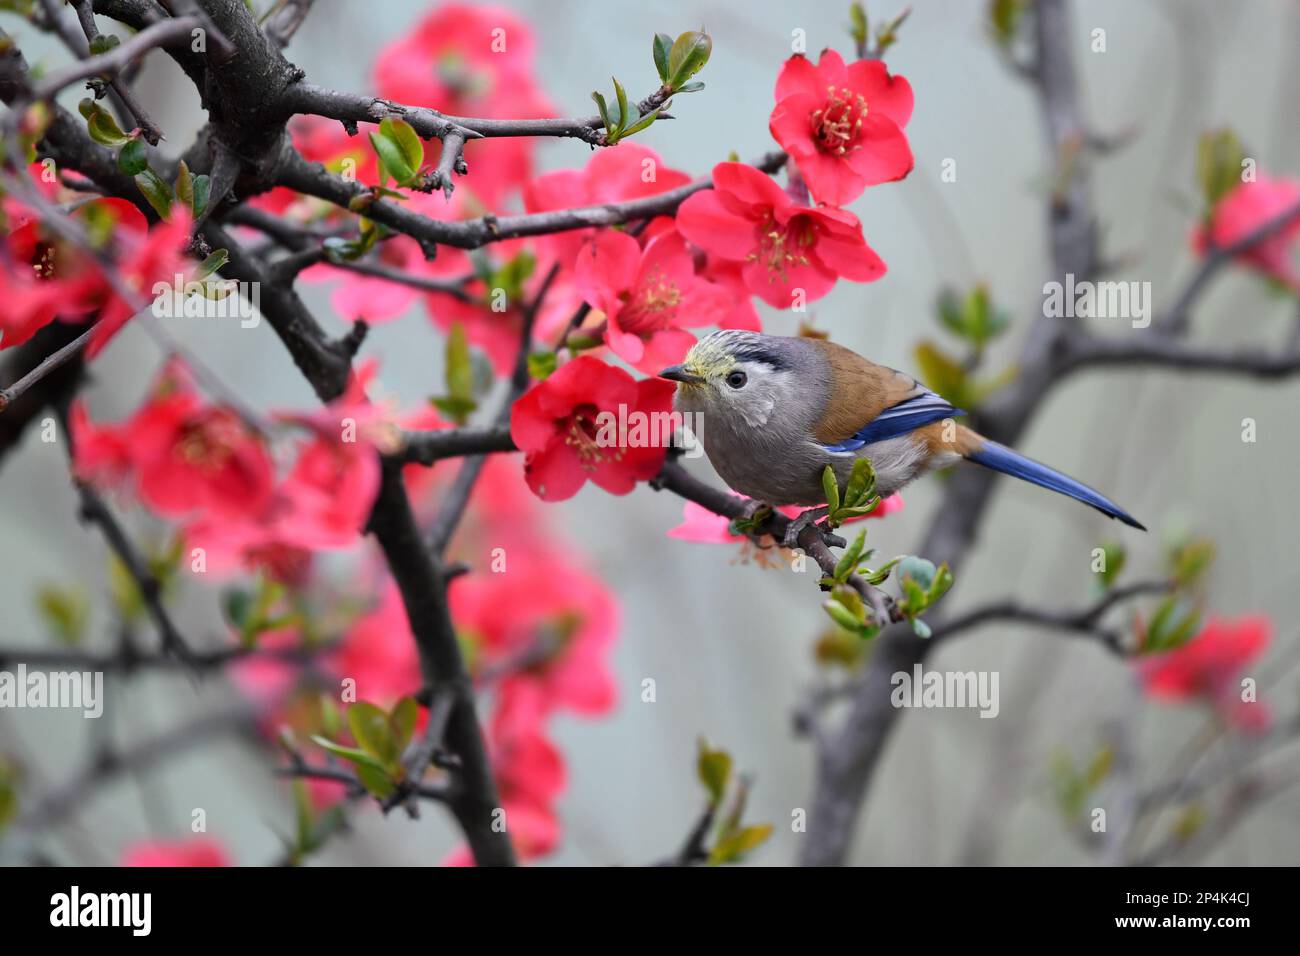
(907, 416)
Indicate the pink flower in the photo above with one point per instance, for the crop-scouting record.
(42, 277)
(703, 526)
(1208, 666)
(323, 141)
(615, 174)
(530, 775)
(842, 125)
(566, 427)
(195, 851)
(785, 249)
(562, 627)
(648, 296)
(143, 260)
(731, 277)
(184, 455)
(470, 61)
(323, 503)
(1246, 208)
(379, 652)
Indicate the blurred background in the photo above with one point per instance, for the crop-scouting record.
(729, 644)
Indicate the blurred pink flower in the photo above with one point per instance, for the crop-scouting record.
(195, 851)
(1247, 207)
(1208, 668)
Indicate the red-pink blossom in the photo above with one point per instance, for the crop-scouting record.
(1208, 668)
(1247, 207)
(471, 60)
(842, 125)
(184, 455)
(648, 296)
(194, 851)
(559, 425)
(613, 175)
(788, 253)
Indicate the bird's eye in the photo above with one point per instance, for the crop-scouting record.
(737, 379)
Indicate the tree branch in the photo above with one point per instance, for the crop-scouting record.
(1084, 621)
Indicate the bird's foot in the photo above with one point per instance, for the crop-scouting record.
(805, 519)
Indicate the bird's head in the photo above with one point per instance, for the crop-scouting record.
(734, 373)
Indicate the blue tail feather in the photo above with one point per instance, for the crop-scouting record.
(1003, 459)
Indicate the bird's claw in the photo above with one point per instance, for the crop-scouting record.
(805, 519)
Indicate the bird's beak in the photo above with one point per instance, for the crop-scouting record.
(679, 373)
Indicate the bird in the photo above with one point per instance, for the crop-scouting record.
(773, 411)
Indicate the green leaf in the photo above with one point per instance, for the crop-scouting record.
(184, 186)
(127, 599)
(103, 43)
(858, 24)
(403, 717)
(841, 615)
(624, 111)
(372, 730)
(8, 792)
(399, 148)
(156, 190)
(1219, 155)
(542, 364)
(943, 581)
(693, 87)
(213, 263)
(645, 122)
(1173, 625)
(511, 277)
(304, 814)
(1099, 767)
(713, 767)
(403, 134)
(689, 53)
(65, 611)
(457, 409)
(351, 754)
(662, 44)
(459, 372)
(100, 124)
(887, 35)
(942, 373)
(880, 575)
(920, 628)
(830, 488)
(849, 559)
(237, 606)
(861, 487)
(133, 158)
(733, 847)
(376, 780)
(1189, 560)
(1113, 557)
(1004, 18)
(202, 189)
(604, 110)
